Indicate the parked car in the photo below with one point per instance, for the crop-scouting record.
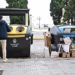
(61, 31)
(67, 31)
(67, 28)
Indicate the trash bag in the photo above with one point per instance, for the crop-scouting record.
(54, 47)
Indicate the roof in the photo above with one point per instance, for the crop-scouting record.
(13, 11)
(66, 26)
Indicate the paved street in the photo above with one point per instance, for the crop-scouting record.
(38, 64)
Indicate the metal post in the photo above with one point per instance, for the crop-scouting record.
(26, 19)
(39, 21)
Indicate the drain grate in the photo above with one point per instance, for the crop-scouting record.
(1, 72)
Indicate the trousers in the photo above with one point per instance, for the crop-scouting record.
(3, 44)
(55, 41)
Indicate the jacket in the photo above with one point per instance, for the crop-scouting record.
(4, 28)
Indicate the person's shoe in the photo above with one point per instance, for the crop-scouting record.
(5, 60)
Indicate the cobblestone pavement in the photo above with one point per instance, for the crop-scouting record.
(38, 64)
(37, 49)
(38, 34)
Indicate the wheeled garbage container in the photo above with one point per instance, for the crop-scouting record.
(18, 42)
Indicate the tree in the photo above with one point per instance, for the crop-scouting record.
(70, 11)
(56, 10)
(17, 4)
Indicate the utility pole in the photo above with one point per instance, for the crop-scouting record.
(39, 21)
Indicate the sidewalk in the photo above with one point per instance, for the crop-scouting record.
(38, 34)
(38, 64)
(43, 66)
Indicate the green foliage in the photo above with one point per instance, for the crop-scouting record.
(56, 10)
(17, 20)
(70, 10)
(17, 4)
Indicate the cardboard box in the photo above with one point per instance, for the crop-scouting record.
(73, 46)
(66, 54)
(73, 53)
(47, 39)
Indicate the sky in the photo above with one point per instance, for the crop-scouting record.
(3, 3)
(38, 8)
